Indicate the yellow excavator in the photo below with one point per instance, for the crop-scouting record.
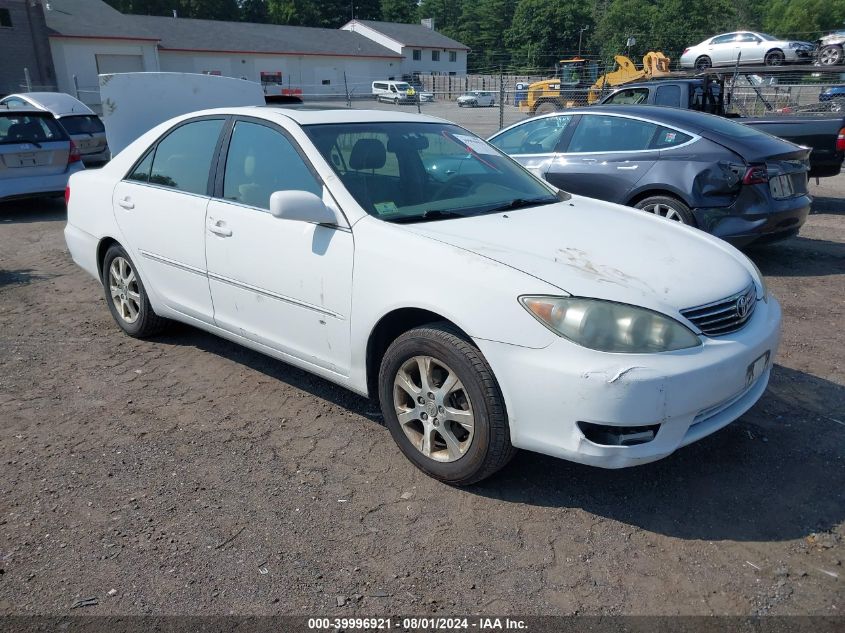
(576, 82)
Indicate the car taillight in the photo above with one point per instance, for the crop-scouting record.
(840, 141)
(67, 195)
(73, 156)
(756, 175)
(685, 51)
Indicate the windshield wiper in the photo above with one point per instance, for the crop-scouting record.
(434, 214)
(519, 203)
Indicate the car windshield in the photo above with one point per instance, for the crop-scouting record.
(415, 172)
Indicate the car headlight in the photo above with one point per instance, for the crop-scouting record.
(607, 326)
(764, 291)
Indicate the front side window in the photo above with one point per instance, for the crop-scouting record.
(629, 96)
(435, 56)
(600, 133)
(260, 161)
(412, 172)
(747, 37)
(183, 158)
(538, 136)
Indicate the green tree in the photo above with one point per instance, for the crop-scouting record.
(254, 11)
(803, 19)
(544, 31)
(481, 26)
(446, 14)
(399, 10)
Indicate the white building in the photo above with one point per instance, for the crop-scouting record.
(424, 51)
(88, 37)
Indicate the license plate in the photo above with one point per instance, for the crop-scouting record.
(781, 187)
(756, 369)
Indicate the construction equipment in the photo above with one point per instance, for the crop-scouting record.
(576, 82)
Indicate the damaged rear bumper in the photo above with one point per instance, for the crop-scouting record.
(755, 215)
(683, 396)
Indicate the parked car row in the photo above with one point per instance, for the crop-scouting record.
(538, 320)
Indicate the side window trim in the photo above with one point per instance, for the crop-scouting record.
(566, 137)
(154, 148)
(225, 143)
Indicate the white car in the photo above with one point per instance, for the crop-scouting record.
(476, 98)
(485, 309)
(751, 48)
(78, 120)
(36, 155)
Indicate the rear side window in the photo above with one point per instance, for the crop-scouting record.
(29, 128)
(82, 124)
(667, 137)
(141, 173)
(183, 158)
(599, 133)
(668, 96)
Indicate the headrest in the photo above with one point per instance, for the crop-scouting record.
(368, 153)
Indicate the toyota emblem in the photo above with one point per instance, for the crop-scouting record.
(743, 306)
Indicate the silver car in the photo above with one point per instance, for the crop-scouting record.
(475, 98)
(79, 121)
(36, 155)
(755, 48)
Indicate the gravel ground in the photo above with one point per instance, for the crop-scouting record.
(187, 475)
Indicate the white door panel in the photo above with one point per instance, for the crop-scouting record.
(165, 230)
(282, 283)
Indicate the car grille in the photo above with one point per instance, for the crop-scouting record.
(725, 316)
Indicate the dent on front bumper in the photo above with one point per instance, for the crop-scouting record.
(689, 394)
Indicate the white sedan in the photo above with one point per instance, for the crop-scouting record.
(749, 47)
(476, 98)
(404, 258)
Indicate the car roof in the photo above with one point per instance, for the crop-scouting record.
(25, 110)
(316, 115)
(59, 103)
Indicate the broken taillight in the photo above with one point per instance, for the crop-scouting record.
(756, 175)
(840, 141)
(73, 155)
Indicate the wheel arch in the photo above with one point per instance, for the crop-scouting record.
(387, 329)
(103, 246)
(650, 191)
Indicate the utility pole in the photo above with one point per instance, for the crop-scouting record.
(580, 33)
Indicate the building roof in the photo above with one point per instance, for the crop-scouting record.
(184, 34)
(96, 19)
(91, 18)
(410, 34)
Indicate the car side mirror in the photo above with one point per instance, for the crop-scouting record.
(303, 206)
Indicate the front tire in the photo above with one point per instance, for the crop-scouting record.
(126, 296)
(668, 208)
(774, 58)
(443, 405)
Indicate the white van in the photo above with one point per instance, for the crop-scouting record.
(393, 91)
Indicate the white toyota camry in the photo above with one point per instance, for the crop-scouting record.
(404, 258)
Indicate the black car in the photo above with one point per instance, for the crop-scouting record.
(728, 179)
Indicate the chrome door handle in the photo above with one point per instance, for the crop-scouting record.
(627, 167)
(126, 203)
(219, 228)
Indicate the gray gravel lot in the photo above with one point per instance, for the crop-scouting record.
(193, 476)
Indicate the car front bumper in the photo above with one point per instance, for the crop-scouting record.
(689, 394)
(35, 186)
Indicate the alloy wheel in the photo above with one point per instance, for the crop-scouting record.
(829, 56)
(664, 211)
(123, 288)
(433, 408)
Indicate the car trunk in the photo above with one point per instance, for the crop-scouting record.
(20, 160)
(87, 132)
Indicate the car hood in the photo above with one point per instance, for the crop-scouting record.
(591, 248)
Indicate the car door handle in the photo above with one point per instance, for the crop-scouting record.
(627, 167)
(126, 203)
(219, 228)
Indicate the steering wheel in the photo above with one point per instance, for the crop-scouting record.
(455, 187)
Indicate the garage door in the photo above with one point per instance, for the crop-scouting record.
(119, 64)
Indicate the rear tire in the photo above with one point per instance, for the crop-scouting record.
(668, 208)
(126, 296)
(703, 63)
(459, 435)
(774, 58)
(830, 55)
